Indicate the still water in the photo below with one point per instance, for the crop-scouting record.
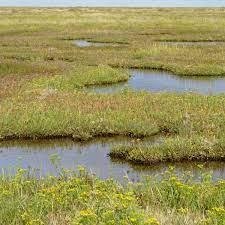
(83, 43)
(159, 81)
(44, 155)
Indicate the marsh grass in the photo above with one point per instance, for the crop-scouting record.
(83, 76)
(68, 199)
(42, 74)
(81, 198)
(190, 202)
(45, 35)
(173, 149)
(196, 121)
(48, 112)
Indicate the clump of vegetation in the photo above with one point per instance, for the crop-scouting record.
(83, 76)
(69, 199)
(178, 60)
(80, 198)
(190, 202)
(173, 149)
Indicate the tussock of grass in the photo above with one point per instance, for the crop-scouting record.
(173, 149)
(83, 76)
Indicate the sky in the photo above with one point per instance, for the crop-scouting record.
(115, 3)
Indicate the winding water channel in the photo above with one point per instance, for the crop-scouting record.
(43, 156)
(159, 81)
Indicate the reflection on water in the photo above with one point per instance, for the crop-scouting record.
(92, 155)
(158, 81)
(83, 43)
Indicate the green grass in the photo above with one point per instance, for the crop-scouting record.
(71, 199)
(196, 120)
(84, 199)
(173, 149)
(38, 36)
(82, 77)
(42, 74)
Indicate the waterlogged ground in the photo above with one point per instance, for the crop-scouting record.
(51, 157)
(44, 75)
(44, 78)
(83, 43)
(159, 81)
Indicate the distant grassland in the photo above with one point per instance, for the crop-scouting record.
(40, 41)
(42, 74)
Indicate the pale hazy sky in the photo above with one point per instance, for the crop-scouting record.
(130, 3)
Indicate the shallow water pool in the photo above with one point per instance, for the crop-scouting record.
(48, 156)
(84, 43)
(160, 81)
